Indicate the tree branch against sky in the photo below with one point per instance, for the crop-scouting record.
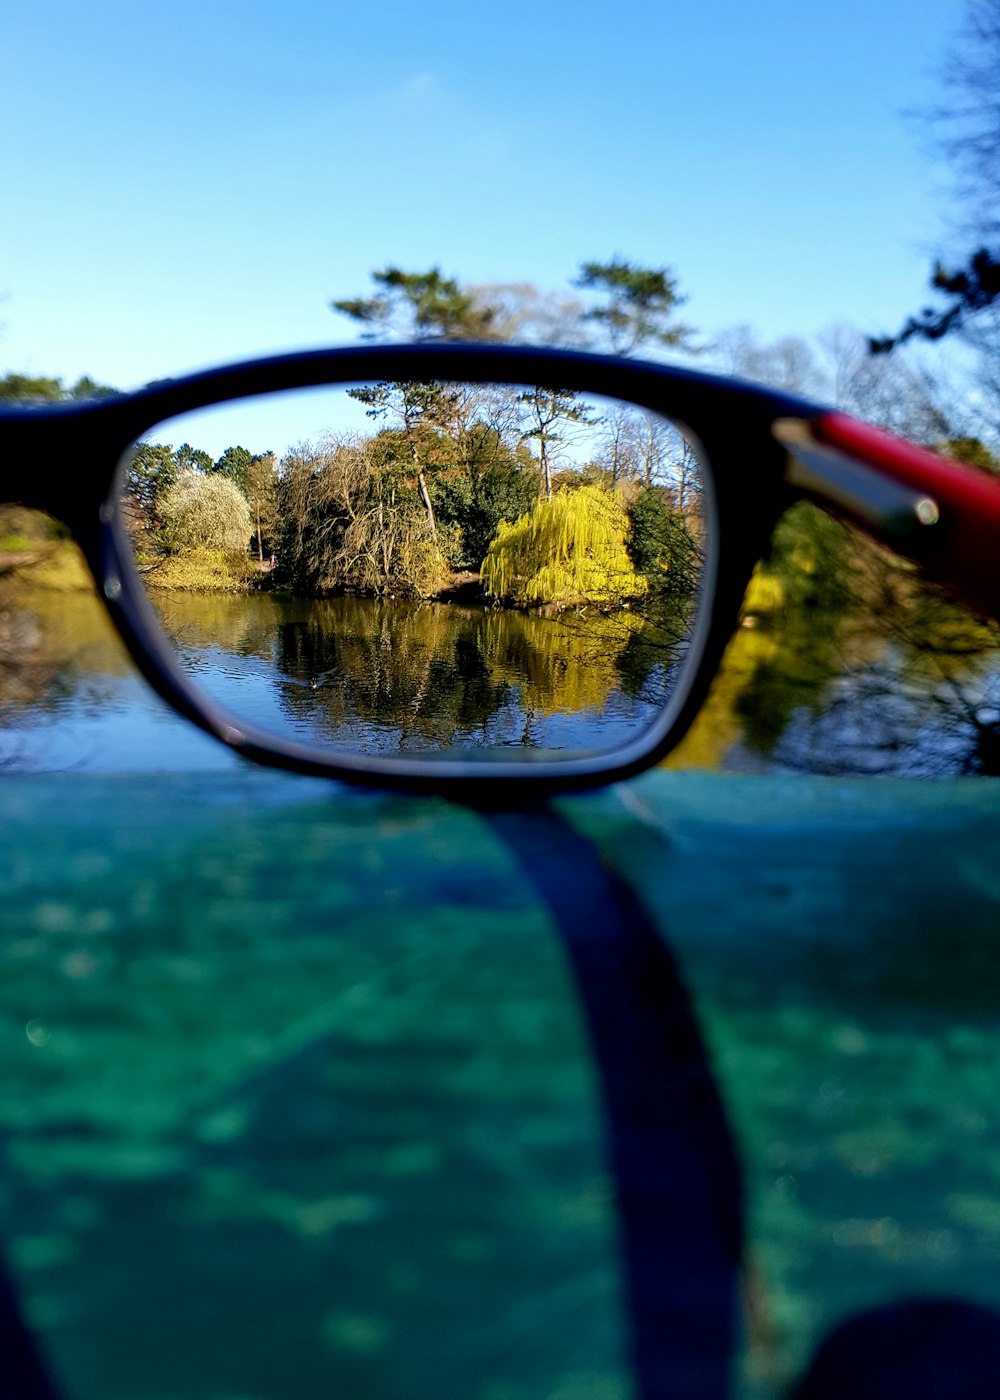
(967, 121)
(638, 306)
(967, 291)
(418, 306)
(966, 125)
(629, 307)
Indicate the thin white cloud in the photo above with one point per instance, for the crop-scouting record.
(419, 87)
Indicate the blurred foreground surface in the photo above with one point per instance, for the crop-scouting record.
(297, 1098)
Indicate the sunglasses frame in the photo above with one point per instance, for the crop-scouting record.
(760, 450)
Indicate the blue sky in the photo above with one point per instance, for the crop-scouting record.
(185, 184)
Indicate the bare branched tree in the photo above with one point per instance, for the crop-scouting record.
(967, 120)
(966, 127)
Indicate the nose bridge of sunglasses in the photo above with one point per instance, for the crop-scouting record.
(900, 515)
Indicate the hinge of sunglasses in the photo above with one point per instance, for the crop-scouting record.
(888, 509)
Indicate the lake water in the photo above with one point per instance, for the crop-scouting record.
(348, 674)
(388, 676)
(391, 676)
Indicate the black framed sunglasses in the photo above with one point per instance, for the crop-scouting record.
(461, 567)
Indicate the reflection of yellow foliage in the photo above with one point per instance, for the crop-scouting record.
(803, 559)
(50, 633)
(718, 725)
(943, 640)
(230, 621)
(56, 566)
(429, 668)
(565, 664)
(765, 593)
(568, 549)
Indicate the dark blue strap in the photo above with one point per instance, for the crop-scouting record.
(22, 1374)
(675, 1167)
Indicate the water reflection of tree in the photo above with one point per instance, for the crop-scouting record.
(57, 649)
(868, 669)
(919, 696)
(570, 663)
(197, 622)
(399, 667)
(445, 676)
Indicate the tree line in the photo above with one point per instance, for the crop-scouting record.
(447, 470)
(177, 499)
(551, 497)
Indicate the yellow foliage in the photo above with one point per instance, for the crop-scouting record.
(718, 725)
(765, 593)
(200, 571)
(566, 550)
(55, 565)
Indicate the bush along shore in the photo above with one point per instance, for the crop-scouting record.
(525, 496)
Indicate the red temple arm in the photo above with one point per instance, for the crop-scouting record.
(964, 550)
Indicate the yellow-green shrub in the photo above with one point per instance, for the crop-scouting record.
(566, 550)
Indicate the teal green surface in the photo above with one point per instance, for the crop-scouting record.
(297, 1100)
(842, 942)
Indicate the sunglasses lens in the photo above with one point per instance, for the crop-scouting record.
(437, 570)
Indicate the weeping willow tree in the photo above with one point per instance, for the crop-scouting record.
(569, 549)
